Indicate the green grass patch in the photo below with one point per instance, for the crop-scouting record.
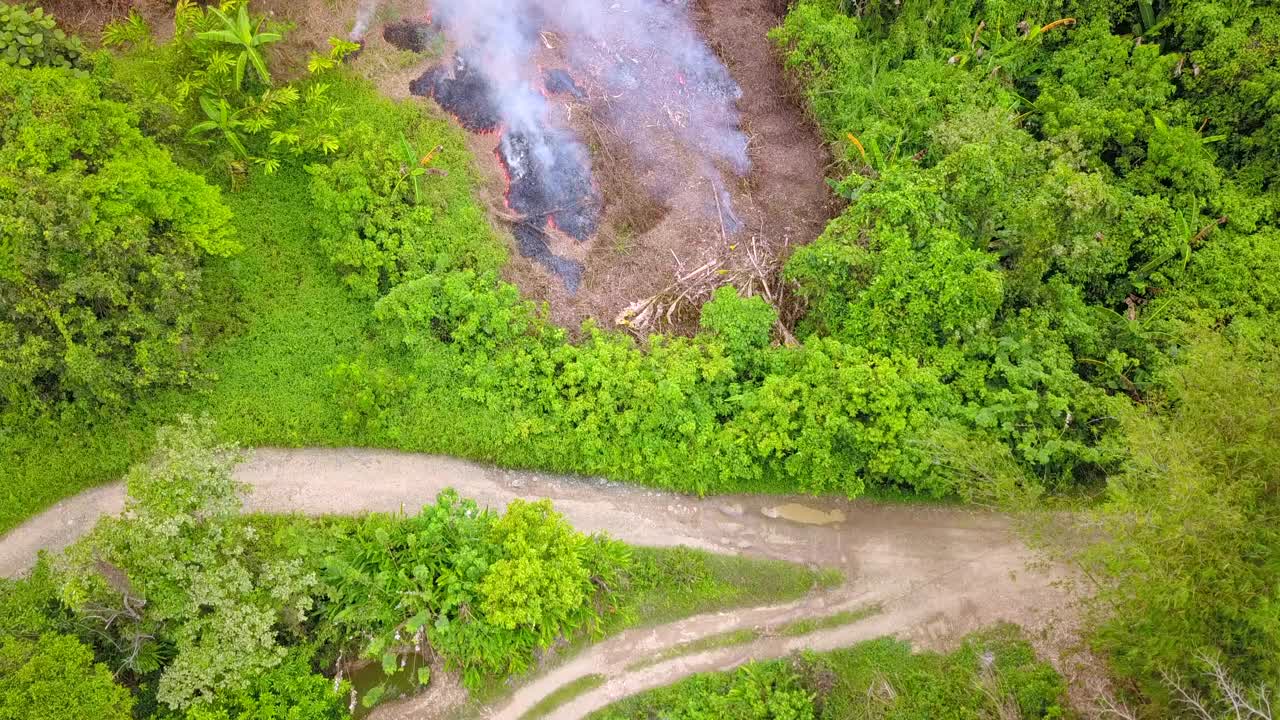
(994, 673)
(847, 617)
(564, 694)
(667, 584)
(729, 638)
(284, 321)
(679, 582)
(743, 636)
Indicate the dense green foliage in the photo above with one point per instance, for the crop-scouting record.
(175, 577)
(55, 677)
(993, 674)
(211, 615)
(1193, 552)
(210, 85)
(1070, 221)
(1035, 212)
(100, 255)
(482, 590)
(1044, 220)
(31, 38)
(182, 588)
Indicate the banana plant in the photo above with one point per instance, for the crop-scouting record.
(221, 118)
(243, 33)
(411, 168)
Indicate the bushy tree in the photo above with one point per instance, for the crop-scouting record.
(55, 678)
(101, 247)
(179, 574)
(1192, 550)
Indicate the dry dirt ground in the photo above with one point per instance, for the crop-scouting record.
(937, 572)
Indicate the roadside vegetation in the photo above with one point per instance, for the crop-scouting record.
(1070, 211)
(994, 674)
(1055, 283)
(204, 613)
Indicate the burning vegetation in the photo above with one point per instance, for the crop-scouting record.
(638, 67)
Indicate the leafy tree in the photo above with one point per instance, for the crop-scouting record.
(101, 249)
(1192, 552)
(181, 575)
(55, 678)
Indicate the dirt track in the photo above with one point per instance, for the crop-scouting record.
(938, 572)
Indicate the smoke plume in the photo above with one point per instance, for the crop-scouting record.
(657, 75)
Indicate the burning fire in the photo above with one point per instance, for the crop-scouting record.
(627, 52)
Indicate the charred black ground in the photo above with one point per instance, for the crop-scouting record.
(550, 185)
(558, 81)
(414, 35)
(548, 171)
(550, 175)
(462, 93)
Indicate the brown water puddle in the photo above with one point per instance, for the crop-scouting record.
(795, 512)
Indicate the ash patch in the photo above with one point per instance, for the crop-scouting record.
(531, 241)
(550, 186)
(461, 92)
(413, 35)
(558, 81)
(550, 176)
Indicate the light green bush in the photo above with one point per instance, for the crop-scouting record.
(29, 37)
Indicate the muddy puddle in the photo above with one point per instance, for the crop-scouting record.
(804, 514)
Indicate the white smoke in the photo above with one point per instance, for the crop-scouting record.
(659, 78)
(364, 16)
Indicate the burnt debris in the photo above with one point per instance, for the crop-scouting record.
(413, 35)
(550, 175)
(533, 243)
(558, 81)
(463, 93)
(550, 185)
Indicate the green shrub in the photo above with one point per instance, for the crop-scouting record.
(485, 591)
(209, 85)
(756, 691)
(101, 253)
(30, 38)
(289, 691)
(56, 678)
(744, 325)
(381, 226)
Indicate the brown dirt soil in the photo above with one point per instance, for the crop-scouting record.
(937, 572)
(645, 242)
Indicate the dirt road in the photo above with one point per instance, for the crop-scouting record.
(937, 572)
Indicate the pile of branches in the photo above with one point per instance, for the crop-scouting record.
(754, 272)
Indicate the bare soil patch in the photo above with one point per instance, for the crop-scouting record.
(650, 239)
